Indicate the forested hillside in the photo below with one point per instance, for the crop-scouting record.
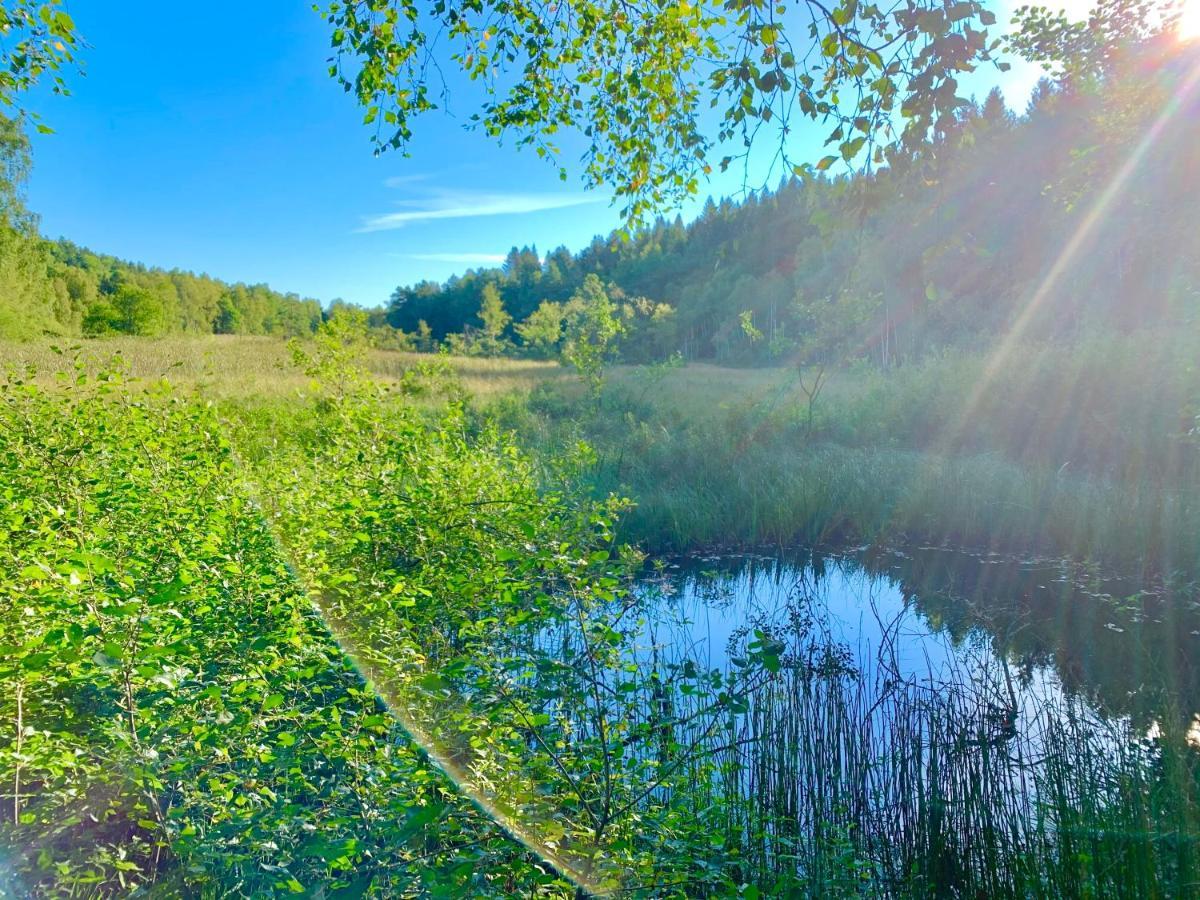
(944, 247)
(1000, 215)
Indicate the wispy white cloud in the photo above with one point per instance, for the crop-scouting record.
(443, 204)
(399, 181)
(457, 257)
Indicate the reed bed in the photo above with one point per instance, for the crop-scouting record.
(697, 492)
(846, 779)
(916, 790)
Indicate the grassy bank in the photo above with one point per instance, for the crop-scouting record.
(831, 494)
(1087, 450)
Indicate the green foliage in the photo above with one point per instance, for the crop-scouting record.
(638, 81)
(175, 712)
(492, 313)
(541, 334)
(423, 337)
(228, 319)
(40, 40)
(16, 162)
(485, 598)
(947, 247)
(648, 328)
(29, 304)
(349, 645)
(590, 332)
(488, 340)
(746, 320)
(130, 310)
(1093, 48)
(180, 716)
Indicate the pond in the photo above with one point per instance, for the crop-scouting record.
(967, 724)
(920, 723)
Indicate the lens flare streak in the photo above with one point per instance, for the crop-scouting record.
(1071, 251)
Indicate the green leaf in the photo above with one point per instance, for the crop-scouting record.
(354, 890)
(433, 683)
(94, 561)
(36, 661)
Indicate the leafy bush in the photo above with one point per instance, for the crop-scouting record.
(174, 710)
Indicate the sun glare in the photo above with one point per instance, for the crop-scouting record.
(1189, 21)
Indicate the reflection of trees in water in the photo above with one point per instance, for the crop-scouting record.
(1127, 649)
(954, 782)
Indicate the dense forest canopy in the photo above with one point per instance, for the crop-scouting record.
(943, 247)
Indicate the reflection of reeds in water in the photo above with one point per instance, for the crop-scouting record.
(838, 783)
(847, 772)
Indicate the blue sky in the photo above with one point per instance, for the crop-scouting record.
(208, 136)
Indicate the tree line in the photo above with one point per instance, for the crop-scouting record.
(59, 288)
(1063, 215)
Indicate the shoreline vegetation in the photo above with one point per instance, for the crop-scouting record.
(1089, 450)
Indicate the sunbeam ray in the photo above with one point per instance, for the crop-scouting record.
(1070, 252)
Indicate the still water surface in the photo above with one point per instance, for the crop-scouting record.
(1037, 631)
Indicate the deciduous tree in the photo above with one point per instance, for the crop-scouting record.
(638, 78)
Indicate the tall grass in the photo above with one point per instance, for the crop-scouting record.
(909, 789)
(695, 492)
(846, 779)
(1089, 450)
(230, 367)
(1120, 405)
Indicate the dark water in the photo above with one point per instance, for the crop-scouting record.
(1036, 632)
